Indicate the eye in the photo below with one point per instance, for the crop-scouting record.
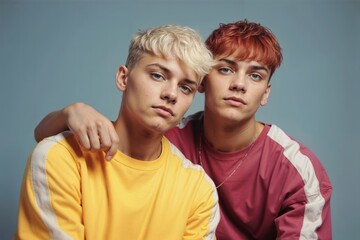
(157, 76)
(226, 70)
(255, 76)
(186, 89)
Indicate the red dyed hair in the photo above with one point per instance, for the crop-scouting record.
(250, 41)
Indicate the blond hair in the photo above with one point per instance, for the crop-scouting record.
(181, 42)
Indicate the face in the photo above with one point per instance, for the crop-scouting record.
(234, 90)
(156, 92)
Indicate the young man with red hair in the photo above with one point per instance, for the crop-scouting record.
(270, 186)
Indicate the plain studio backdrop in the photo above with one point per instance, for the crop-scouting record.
(53, 53)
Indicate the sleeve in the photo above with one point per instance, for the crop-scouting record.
(205, 217)
(306, 209)
(50, 201)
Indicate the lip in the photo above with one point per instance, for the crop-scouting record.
(163, 111)
(236, 101)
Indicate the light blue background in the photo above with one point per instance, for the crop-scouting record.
(53, 53)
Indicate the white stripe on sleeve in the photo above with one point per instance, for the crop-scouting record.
(41, 187)
(315, 201)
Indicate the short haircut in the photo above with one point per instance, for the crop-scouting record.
(250, 41)
(181, 42)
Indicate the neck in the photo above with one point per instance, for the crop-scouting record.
(136, 142)
(230, 136)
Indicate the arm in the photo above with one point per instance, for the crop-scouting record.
(50, 201)
(51, 124)
(311, 220)
(311, 217)
(93, 130)
(205, 218)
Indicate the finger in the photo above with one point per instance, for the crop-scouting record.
(94, 139)
(110, 153)
(114, 143)
(82, 137)
(105, 139)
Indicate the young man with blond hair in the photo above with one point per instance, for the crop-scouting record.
(149, 190)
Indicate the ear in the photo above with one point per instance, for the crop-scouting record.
(266, 95)
(201, 88)
(122, 78)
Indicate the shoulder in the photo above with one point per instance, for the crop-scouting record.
(290, 147)
(60, 140)
(291, 151)
(184, 162)
(62, 145)
(186, 129)
(189, 168)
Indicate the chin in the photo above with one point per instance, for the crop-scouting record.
(231, 113)
(161, 128)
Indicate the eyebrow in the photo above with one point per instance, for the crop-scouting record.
(192, 82)
(260, 68)
(254, 67)
(231, 62)
(162, 67)
(168, 71)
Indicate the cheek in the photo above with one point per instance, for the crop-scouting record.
(146, 91)
(183, 104)
(213, 90)
(187, 102)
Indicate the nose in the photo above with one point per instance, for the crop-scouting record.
(169, 93)
(238, 83)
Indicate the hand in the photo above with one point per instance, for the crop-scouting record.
(93, 130)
